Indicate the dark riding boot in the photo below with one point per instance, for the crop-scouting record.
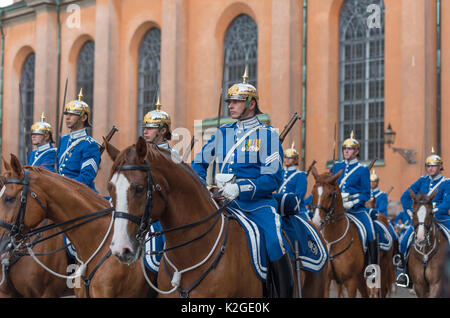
(372, 248)
(280, 279)
(397, 258)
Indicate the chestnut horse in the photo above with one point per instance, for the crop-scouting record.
(345, 250)
(23, 277)
(206, 252)
(73, 205)
(427, 257)
(385, 259)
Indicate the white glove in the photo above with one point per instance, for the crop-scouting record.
(345, 196)
(230, 191)
(409, 213)
(348, 205)
(223, 178)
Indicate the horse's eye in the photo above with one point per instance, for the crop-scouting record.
(139, 189)
(9, 199)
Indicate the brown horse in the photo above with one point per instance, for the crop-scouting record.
(25, 278)
(427, 257)
(385, 258)
(62, 199)
(346, 254)
(206, 253)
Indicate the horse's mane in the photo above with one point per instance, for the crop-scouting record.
(74, 185)
(156, 153)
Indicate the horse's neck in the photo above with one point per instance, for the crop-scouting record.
(185, 208)
(71, 205)
(339, 222)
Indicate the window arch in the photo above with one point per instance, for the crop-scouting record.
(85, 75)
(27, 107)
(361, 75)
(149, 68)
(240, 50)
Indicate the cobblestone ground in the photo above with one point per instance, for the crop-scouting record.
(398, 292)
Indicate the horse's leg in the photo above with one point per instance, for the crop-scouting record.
(351, 286)
(314, 285)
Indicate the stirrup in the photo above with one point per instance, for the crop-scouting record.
(399, 283)
(397, 260)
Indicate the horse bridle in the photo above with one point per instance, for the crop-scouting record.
(145, 221)
(328, 211)
(16, 235)
(427, 227)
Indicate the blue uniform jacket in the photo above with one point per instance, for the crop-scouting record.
(382, 200)
(294, 184)
(424, 185)
(357, 183)
(79, 157)
(256, 162)
(44, 156)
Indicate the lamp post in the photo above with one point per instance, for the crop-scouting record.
(389, 139)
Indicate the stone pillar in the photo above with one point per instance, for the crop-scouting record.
(106, 78)
(286, 67)
(173, 61)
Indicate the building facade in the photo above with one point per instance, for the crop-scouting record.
(342, 65)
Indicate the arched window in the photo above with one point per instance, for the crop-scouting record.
(148, 74)
(27, 107)
(85, 75)
(361, 75)
(240, 49)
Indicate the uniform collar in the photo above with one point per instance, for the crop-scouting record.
(351, 162)
(43, 147)
(78, 134)
(248, 123)
(291, 168)
(164, 145)
(375, 190)
(436, 178)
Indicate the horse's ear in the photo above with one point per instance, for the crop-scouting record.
(112, 151)
(333, 178)
(141, 149)
(16, 166)
(6, 164)
(431, 197)
(412, 194)
(315, 173)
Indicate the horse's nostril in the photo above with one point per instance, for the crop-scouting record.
(127, 251)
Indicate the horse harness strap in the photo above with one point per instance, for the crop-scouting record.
(184, 293)
(87, 280)
(146, 220)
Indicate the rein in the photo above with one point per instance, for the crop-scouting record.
(145, 221)
(17, 227)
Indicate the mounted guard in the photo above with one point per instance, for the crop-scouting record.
(42, 138)
(291, 193)
(354, 183)
(78, 154)
(434, 180)
(250, 157)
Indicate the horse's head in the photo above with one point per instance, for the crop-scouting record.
(137, 191)
(18, 213)
(325, 195)
(422, 213)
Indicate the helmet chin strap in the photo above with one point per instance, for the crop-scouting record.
(157, 134)
(249, 99)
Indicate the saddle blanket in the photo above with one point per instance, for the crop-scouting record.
(153, 245)
(312, 252)
(70, 250)
(445, 230)
(384, 236)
